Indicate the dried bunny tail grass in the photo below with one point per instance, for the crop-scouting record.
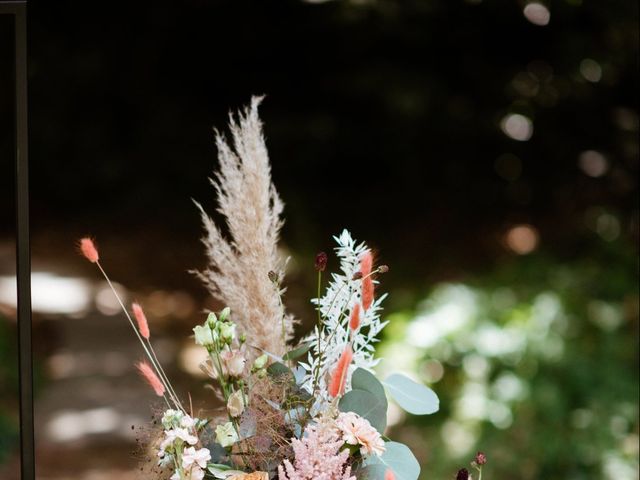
(238, 270)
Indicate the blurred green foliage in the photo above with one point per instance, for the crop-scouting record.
(535, 364)
(8, 389)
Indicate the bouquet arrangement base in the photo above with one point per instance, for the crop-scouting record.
(312, 411)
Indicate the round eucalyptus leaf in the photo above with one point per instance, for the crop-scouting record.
(364, 380)
(366, 405)
(398, 458)
(411, 396)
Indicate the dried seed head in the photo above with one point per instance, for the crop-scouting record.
(150, 376)
(383, 268)
(354, 320)
(463, 474)
(273, 276)
(321, 262)
(141, 319)
(89, 250)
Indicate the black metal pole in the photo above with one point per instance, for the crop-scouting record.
(27, 447)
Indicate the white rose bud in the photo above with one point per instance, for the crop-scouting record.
(235, 404)
(233, 363)
(260, 362)
(226, 435)
(228, 331)
(212, 320)
(204, 335)
(224, 314)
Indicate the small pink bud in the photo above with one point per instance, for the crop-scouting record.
(88, 249)
(321, 262)
(152, 379)
(141, 318)
(389, 475)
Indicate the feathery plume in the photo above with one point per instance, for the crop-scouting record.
(141, 319)
(354, 320)
(239, 266)
(366, 264)
(152, 379)
(88, 249)
(339, 376)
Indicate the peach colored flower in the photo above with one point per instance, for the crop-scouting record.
(233, 363)
(358, 431)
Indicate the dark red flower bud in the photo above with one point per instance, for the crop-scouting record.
(321, 261)
(480, 459)
(463, 474)
(357, 276)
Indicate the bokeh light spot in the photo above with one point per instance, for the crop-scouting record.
(517, 126)
(537, 14)
(591, 70)
(522, 239)
(593, 163)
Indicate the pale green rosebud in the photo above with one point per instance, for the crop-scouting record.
(228, 332)
(224, 314)
(243, 338)
(226, 435)
(204, 335)
(260, 362)
(212, 320)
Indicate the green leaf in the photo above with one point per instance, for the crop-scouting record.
(364, 380)
(411, 396)
(367, 405)
(396, 457)
(277, 369)
(298, 352)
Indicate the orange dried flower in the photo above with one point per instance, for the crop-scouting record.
(88, 249)
(150, 376)
(141, 318)
(339, 377)
(354, 321)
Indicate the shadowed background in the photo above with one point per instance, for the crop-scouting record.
(487, 150)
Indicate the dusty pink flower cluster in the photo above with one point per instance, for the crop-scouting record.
(317, 457)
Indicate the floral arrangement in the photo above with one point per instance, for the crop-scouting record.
(311, 411)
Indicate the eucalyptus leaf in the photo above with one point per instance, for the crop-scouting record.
(277, 369)
(367, 405)
(411, 396)
(396, 457)
(364, 380)
(298, 352)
